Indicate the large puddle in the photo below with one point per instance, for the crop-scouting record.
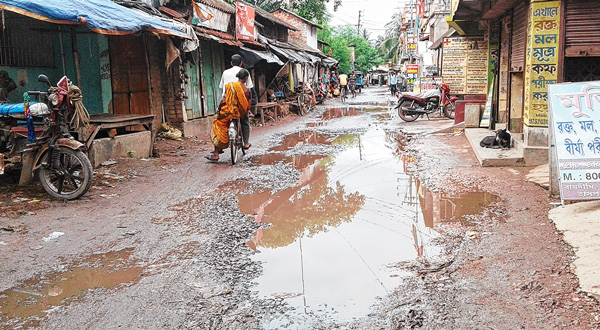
(32, 300)
(350, 216)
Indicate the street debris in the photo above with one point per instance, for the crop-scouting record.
(108, 162)
(129, 233)
(55, 235)
(169, 132)
(37, 247)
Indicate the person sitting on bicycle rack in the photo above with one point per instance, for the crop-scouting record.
(343, 78)
(235, 104)
(230, 75)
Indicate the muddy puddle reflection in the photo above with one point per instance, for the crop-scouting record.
(350, 216)
(33, 299)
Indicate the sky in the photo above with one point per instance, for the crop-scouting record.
(375, 15)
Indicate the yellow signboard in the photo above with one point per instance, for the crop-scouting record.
(542, 60)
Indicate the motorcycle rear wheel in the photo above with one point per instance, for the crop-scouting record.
(406, 111)
(74, 178)
(449, 110)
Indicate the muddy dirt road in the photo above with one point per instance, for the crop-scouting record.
(346, 218)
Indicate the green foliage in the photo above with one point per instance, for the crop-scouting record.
(312, 10)
(343, 36)
(390, 47)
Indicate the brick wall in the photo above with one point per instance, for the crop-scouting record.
(297, 36)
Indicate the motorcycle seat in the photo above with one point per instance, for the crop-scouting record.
(17, 110)
(424, 95)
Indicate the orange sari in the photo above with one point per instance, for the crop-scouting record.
(235, 106)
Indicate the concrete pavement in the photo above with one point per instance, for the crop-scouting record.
(580, 225)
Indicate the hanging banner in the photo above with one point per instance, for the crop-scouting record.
(244, 21)
(210, 17)
(575, 123)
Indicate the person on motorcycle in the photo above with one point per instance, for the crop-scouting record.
(343, 78)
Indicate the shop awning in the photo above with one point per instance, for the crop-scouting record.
(289, 54)
(329, 62)
(250, 57)
(101, 16)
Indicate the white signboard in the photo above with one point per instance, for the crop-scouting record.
(575, 113)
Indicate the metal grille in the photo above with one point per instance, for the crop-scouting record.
(582, 69)
(24, 43)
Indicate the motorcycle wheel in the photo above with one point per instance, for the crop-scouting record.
(406, 111)
(76, 176)
(449, 110)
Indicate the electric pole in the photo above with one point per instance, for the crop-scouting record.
(359, 14)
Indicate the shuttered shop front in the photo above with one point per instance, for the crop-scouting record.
(582, 28)
(519, 38)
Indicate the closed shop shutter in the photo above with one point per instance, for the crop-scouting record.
(519, 38)
(582, 28)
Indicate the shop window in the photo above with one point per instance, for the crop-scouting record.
(582, 69)
(25, 42)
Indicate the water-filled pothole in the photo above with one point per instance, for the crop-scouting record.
(33, 299)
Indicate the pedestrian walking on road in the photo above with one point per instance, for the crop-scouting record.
(392, 81)
(229, 76)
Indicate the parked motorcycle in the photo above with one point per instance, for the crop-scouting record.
(412, 105)
(321, 94)
(59, 161)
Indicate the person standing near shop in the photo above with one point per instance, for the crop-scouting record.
(401, 82)
(392, 81)
(229, 76)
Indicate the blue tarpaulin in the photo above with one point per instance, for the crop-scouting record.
(101, 16)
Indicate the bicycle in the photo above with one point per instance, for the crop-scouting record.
(236, 140)
(304, 100)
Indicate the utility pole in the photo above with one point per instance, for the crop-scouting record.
(358, 26)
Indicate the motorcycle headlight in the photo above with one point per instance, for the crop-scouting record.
(54, 99)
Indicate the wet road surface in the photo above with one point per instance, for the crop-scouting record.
(332, 220)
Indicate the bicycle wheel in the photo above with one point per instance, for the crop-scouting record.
(233, 136)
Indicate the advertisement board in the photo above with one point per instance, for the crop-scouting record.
(465, 65)
(244, 21)
(575, 124)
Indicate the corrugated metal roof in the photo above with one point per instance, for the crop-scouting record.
(219, 4)
(220, 37)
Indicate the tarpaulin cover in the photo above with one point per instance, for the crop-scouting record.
(101, 16)
(329, 62)
(250, 57)
(289, 54)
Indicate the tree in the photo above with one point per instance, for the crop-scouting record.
(312, 10)
(390, 47)
(343, 36)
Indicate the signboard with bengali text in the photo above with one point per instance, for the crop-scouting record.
(575, 123)
(465, 65)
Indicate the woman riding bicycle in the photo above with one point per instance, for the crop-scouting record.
(234, 104)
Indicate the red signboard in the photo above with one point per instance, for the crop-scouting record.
(412, 68)
(244, 21)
